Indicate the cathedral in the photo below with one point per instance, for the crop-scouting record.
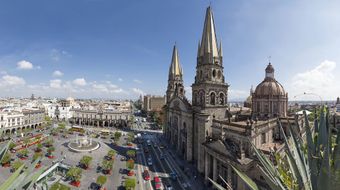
(209, 133)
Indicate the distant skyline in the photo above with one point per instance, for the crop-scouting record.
(121, 49)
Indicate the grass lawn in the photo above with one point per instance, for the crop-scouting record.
(58, 186)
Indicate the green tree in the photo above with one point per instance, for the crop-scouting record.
(26, 141)
(85, 161)
(50, 150)
(130, 183)
(74, 174)
(37, 155)
(23, 153)
(111, 154)
(39, 147)
(12, 145)
(130, 164)
(117, 135)
(131, 153)
(107, 165)
(16, 165)
(101, 180)
(6, 159)
(49, 142)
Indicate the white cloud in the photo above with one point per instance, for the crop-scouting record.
(137, 81)
(79, 81)
(57, 73)
(56, 54)
(235, 94)
(3, 73)
(55, 83)
(137, 91)
(120, 79)
(319, 81)
(25, 65)
(9, 80)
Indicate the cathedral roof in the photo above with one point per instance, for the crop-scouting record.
(209, 41)
(175, 67)
(269, 86)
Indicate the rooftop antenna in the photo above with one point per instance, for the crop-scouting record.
(269, 59)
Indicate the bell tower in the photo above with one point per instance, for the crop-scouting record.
(175, 80)
(209, 89)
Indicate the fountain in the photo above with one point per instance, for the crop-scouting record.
(83, 144)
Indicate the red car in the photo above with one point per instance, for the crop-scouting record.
(158, 183)
(146, 175)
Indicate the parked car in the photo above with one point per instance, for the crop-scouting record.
(158, 183)
(122, 158)
(146, 175)
(162, 156)
(168, 187)
(173, 175)
(149, 161)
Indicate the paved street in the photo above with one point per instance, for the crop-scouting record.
(169, 164)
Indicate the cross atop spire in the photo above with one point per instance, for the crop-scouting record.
(209, 41)
(175, 67)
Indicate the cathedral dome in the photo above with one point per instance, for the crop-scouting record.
(269, 86)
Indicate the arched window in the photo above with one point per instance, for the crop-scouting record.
(221, 99)
(202, 98)
(212, 98)
(214, 73)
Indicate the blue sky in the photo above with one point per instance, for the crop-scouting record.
(119, 49)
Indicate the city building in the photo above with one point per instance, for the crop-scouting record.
(153, 103)
(102, 115)
(12, 121)
(211, 134)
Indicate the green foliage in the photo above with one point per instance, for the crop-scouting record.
(86, 160)
(107, 164)
(131, 153)
(16, 165)
(4, 150)
(26, 141)
(59, 186)
(37, 155)
(74, 173)
(130, 183)
(23, 152)
(101, 180)
(6, 158)
(49, 142)
(111, 153)
(50, 149)
(12, 145)
(117, 135)
(130, 164)
(61, 126)
(11, 180)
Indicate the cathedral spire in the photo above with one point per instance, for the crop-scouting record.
(220, 50)
(175, 67)
(209, 41)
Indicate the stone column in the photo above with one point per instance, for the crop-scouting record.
(206, 166)
(215, 172)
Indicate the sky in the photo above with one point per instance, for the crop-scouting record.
(121, 49)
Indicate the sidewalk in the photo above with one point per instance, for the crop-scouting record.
(188, 169)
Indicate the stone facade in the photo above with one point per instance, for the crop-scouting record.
(12, 121)
(211, 134)
(153, 103)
